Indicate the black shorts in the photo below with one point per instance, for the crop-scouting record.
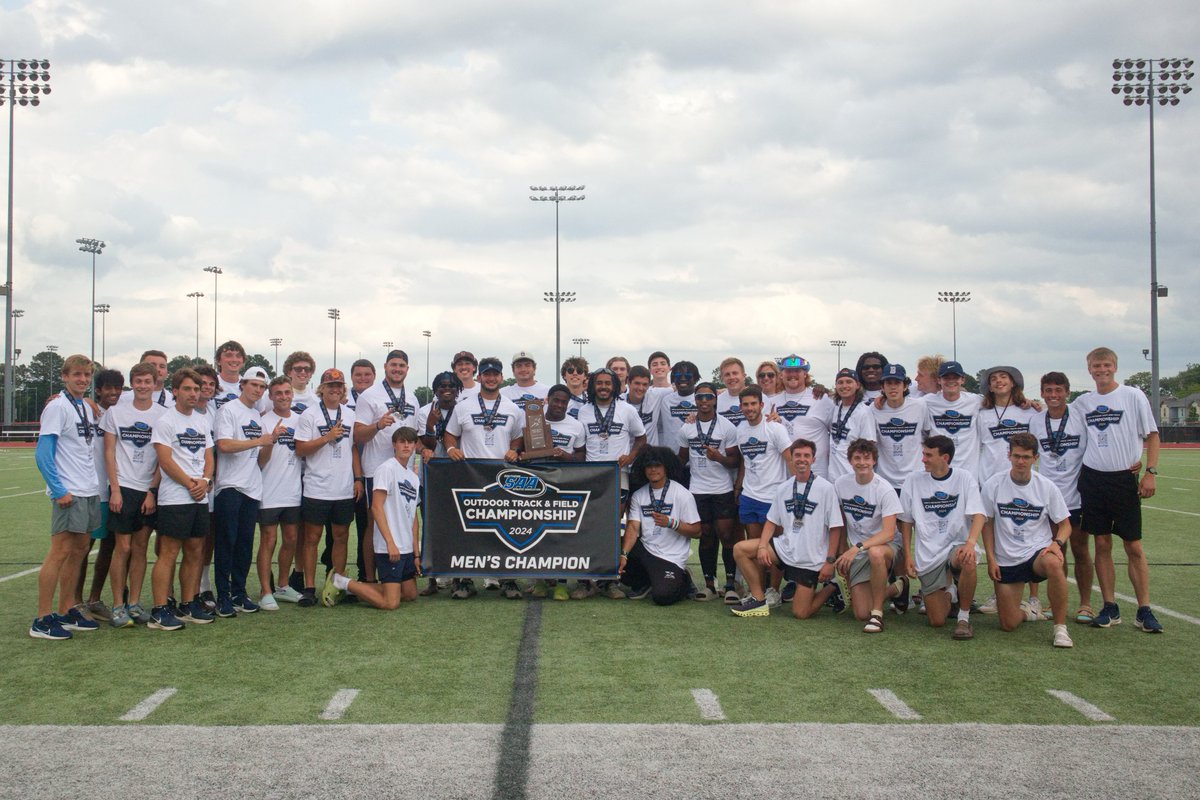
(288, 515)
(1110, 503)
(187, 521)
(131, 519)
(327, 512)
(808, 578)
(388, 571)
(713, 507)
(1023, 572)
(368, 490)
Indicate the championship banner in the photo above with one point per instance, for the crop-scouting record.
(488, 518)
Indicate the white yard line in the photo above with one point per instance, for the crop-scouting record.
(710, 706)
(1090, 711)
(147, 706)
(1158, 609)
(1173, 511)
(888, 699)
(20, 574)
(338, 704)
(23, 494)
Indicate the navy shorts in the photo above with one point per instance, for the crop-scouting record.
(1111, 504)
(751, 511)
(713, 507)
(1023, 572)
(131, 519)
(327, 512)
(808, 578)
(186, 521)
(388, 571)
(284, 515)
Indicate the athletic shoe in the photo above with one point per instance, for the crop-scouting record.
(464, 590)
(1109, 615)
(705, 593)
(560, 591)
(138, 614)
(539, 590)
(267, 603)
(349, 597)
(74, 620)
(639, 594)
(900, 601)
(244, 605)
(752, 608)
(97, 610)
(1145, 621)
(430, 589)
(329, 592)
(491, 584)
(731, 596)
(510, 591)
(209, 601)
(119, 618)
(836, 601)
(295, 583)
(583, 591)
(196, 612)
(308, 598)
(611, 590)
(963, 631)
(919, 601)
(287, 594)
(773, 600)
(989, 606)
(874, 624)
(789, 592)
(1061, 637)
(1033, 609)
(48, 627)
(225, 609)
(162, 619)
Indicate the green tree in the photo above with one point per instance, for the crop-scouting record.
(45, 378)
(716, 379)
(424, 395)
(179, 362)
(1140, 380)
(1185, 383)
(259, 360)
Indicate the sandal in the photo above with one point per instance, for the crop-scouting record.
(874, 624)
(1084, 615)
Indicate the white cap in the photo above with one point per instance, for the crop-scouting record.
(256, 374)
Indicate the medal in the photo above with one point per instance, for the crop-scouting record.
(604, 421)
(81, 412)
(332, 424)
(397, 404)
(489, 416)
(800, 501)
(1057, 437)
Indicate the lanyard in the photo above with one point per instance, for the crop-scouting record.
(1000, 416)
(1056, 438)
(81, 412)
(162, 398)
(658, 503)
(332, 423)
(489, 416)
(842, 425)
(706, 438)
(604, 421)
(439, 427)
(800, 501)
(396, 404)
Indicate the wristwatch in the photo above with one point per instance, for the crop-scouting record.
(830, 560)
(1151, 470)
(859, 545)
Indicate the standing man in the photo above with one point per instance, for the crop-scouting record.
(299, 368)
(898, 421)
(729, 403)
(464, 365)
(803, 414)
(161, 394)
(620, 367)
(647, 403)
(1120, 423)
(66, 458)
(362, 377)
(870, 371)
(432, 418)
(660, 370)
(230, 358)
(927, 376)
(764, 446)
(955, 414)
(107, 391)
(570, 440)
(527, 387)
(280, 507)
(852, 421)
(679, 404)
(574, 373)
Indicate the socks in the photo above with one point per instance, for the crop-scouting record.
(964, 615)
(341, 581)
(205, 585)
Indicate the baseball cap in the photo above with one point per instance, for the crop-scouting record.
(463, 355)
(1017, 378)
(256, 374)
(951, 368)
(894, 372)
(793, 362)
(396, 354)
(332, 376)
(522, 355)
(846, 372)
(491, 364)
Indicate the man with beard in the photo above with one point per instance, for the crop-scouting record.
(803, 414)
(870, 372)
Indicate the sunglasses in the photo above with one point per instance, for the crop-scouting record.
(762, 375)
(572, 371)
(441, 386)
(298, 368)
(872, 366)
(705, 396)
(682, 376)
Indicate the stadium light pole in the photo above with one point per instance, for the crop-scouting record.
(27, 80)
(335, 314)
(102, 309)
(581, 341)
(428, 335)
(95, 247)
(275, 342)
(954, 298)
(198, 295)
(558, 196)
(1135, 79)
(839, 344)
(387, 347)
(216, 272)
(16, 314)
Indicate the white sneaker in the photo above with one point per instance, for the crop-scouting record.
(773, 599)
(989, 606)
(267, 603)
(1061, 637)
(1033, 609)
(491, 583)
(287, 594)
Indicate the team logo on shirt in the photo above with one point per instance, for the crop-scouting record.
(287, 439)
(562, 440)
(138, 434)
(941, 504)
(696, 444)
(897, 429)
(1104, 416)
(496, 420)
(647, 417)
(792, 409)
(1019, 511)
(952, 421)
(324, 429)
(858, 507)
(407, 490)
(1007, 429)
(752, 448)
(789, 506)
(192, 440)
(665, 508)
(520, 509)
(522, 400)
(220, 401)
(1065, 442)
(299, 408)
(407, 411)
(252, 430)
(84, 429)
(684, 410)
(614, 429)
(734, 415)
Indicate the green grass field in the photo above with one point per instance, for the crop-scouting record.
(600, 660)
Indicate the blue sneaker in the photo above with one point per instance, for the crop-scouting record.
(1145, 621)
(74, 620)
(195, 612)
(138, 614)
(244, 604)
(48, 627)
(225, 608)
(751, 608)
(789, 592)
(162, 618)
(1109, 615)
(836, 601)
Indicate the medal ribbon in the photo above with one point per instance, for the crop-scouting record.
(800, 501)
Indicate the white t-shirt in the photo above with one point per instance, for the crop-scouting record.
(227, 392)
(237, 422)
(940, 511)
(304, 400)
(1061, 447)
(679, 504)
(996, 427)
(708, 476)
(625, 427)
(958, 420)
(899, 440)
(98, 455)
(1117, 423)
(804, 542)
(470, 421)
(468, 391)
(1023, 517)
(567, 433)
(281, 474)
(520, 395)
(648, 411)
(729, 406)
(75, 455)
(763, 447)
(864, 507)
(373, 404)
(849, 424)
(421, 422)
(576, 403)
(806, 417)
(160, 397)
(329, 472)
(188, 436)
(136, 458)
(674, 409)
(403, 490)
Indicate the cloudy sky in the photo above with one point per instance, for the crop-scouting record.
(761, 178)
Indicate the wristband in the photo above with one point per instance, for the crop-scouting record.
(360, 478)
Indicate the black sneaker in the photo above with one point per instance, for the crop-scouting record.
(510, 591)
(195, 612)
(900, 601)
(296, 581)
(162, 618)
(308, 597)
(789, 592)
(463, 589)
(836, 601)
(209, 601)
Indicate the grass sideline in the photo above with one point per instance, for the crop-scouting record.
(603, 661)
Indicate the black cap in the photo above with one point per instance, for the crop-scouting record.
(491, 364)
